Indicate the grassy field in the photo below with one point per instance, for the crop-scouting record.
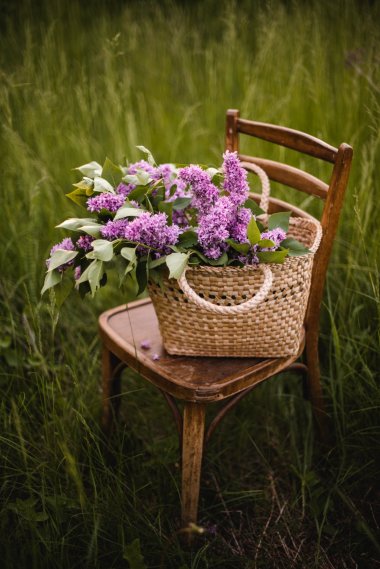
(82, 80)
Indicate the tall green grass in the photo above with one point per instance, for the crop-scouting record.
(80, 81)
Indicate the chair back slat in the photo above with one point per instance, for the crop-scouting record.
(288, 175)
(288, 137)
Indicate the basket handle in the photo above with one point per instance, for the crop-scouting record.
(191, 295)
(265, 184)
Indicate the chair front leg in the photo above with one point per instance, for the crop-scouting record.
(111, 369)
(192, 451)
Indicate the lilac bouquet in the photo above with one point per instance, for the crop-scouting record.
(148, 218)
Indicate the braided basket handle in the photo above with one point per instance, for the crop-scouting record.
(265, 185)
(193, 297)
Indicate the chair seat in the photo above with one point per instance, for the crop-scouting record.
(122, 330)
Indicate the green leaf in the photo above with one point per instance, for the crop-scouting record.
(63, 289)
(128, 212)
(221, 262)
(101, 249)
(132, 554)
(130, 179)
(188, 238)
(78, 196)
(159, 195)
(176, 263)
(129, 253)
(241, 247)
(278, 256)
(181, 203)
(92, 274)
(253, 206)
(153, 263)
(102, 185)
(295, 247)
(143, 178)
(76, 223)
(91, 169)
(112, 173)
(60, 257)
(167, 207)
(142, 276)
(266, 243)
(253, 232)
(149, 158)
(92, 229)
(194, 260)
(51, 279)
(280, 219)
(138, 193)
(86, 184)
(156, 276)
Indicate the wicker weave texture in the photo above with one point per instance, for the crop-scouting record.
(271, 329)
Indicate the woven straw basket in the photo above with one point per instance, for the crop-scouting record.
(242, 312)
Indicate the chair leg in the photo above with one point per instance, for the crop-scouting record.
(314, 388)
(111, 368)
(192, 451)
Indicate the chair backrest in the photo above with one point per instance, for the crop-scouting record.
(332, 192)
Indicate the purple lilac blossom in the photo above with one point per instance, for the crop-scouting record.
(142, 165)
(85, 242)
(214, 228)
(235, 178)
(146, 344)
(105, 200)
(179, 218)
(204, 191)
(166, 173)
(276, 235)
(155, 357)
(114, 229)
(125, 189)
(238, 228)
(67, 245)
(152, 230)
(77, 273)
(251, 258)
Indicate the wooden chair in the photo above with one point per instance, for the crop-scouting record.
(201, 381)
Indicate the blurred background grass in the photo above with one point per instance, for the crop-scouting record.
(82, 80)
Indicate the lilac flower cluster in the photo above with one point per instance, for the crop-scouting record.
(105, 200)
(204, 191)
(67, 245)
(276, 235)
(250, 258)
(142, 165)
(214, 228)
(235, 178)
(85, 242)
(114, 229)
(125, 189)
(238, 227)
(153, 231)
(224, 217)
